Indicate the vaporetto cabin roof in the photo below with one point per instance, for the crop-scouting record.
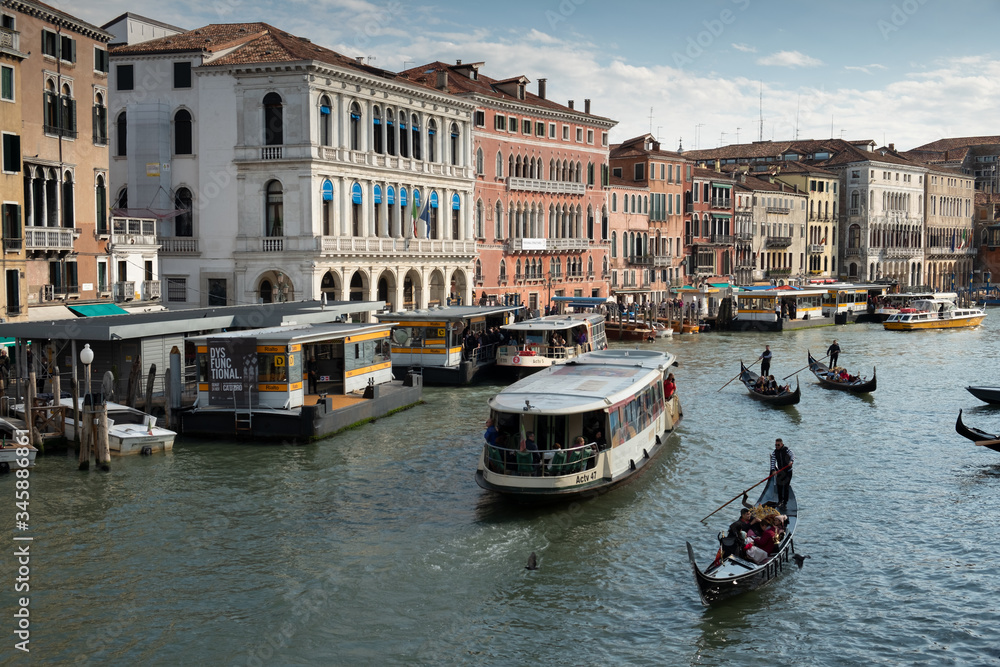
(555, 322)
(594, 381)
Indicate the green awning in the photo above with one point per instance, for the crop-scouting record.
(721, 215)
(6, 342)
(726, 186)
(98, 309)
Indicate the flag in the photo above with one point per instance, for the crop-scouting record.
(419, 211)
(425, 215)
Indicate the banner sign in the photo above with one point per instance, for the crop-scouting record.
(232, 372)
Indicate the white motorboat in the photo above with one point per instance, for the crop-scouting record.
(15, 450)
(129, 430)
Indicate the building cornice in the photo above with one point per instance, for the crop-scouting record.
(567, 116)
(58, 18)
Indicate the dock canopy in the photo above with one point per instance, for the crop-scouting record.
(98, 309)
(583, 301)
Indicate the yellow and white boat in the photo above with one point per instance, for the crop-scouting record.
(935, 314)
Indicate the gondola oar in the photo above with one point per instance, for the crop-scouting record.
(752, 487)
(737, 375)
(806, 366)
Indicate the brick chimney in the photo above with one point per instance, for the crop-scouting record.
(541, 87)
(570, 104)
(442, 80)
(892, 147)
(586, 106)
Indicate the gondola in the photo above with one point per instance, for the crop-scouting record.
(858, 386)
(734, 575)
(976, 435)
(749, 379)
(987, 394)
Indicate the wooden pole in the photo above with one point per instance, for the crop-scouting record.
(57, 399)
(85, 424)
(168, 404)
(147, 405)
(101, 433)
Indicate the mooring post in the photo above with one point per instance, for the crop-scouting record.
(101, 433)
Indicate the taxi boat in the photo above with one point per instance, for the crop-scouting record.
(551, 340)
(935, 314)
(130, 431)
(612, 400)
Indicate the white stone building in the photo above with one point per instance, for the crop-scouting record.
(294, 170)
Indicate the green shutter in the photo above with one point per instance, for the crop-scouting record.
(72, 50)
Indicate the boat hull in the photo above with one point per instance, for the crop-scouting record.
(819, 370)
(749, 379)
(955, 323)
(975, 434)
(986, 394)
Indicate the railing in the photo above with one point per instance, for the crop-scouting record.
(352, 244)
(485, 354)
(663, 260)
(178, 245)
(778, 272)
(778, 242)
(59, 131)
(854, 211)
(124, 290)
(13, 245)
(640, 260)
(852, 252)
(726, 239)
(689, 208)
(272, 244)
(947, 250)
(816, 248)
(10, 39)
(722, 202)
(545, 463)
(132, 231)
(903, 252)
(538, 185)
(100, 140)
(779, 210)
(744, 236)
(150, 290)
(517, 245)
(48, 238)
(270, 152)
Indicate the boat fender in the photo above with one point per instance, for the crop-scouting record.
(4, 468)
(645, 454)
(146, 451)
(631, 464)
(658, 441)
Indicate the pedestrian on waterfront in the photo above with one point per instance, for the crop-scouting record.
(780, 458)
(765, 360)
(834, 352)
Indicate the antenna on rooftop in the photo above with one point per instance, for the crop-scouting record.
(738, 134)
(760, 133)
(798, 102)
(650, 120)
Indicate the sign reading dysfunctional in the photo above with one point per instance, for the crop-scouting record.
(232, 372)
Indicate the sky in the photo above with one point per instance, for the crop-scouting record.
(702, 73)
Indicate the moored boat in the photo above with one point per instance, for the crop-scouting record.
(896, 303)
(935, 314)
(784, 396)
(551, 340)
(599, 421)
(13, 439)
(130, 431)
(736, 574)
(830, 378)
(987, 394)
(977, 435)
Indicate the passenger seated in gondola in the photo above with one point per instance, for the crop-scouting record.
(844, 377)
(732, 543)
(767, 540)
(772, 386)
(760, 385)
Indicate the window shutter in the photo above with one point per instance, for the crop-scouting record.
(17, 232)
(97, 124)
(14, 143)
(72, 115)
(72, 50)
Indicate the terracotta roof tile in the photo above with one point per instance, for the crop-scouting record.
(959, 142)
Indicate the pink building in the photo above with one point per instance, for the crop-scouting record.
(541, 214)
(709, 228)
(630, 241)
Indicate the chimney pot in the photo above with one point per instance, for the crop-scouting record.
(892, 147)
(570, 104)
(458, 62)
(360, 59)
(442, 80)
(586, 106)
(541, 87)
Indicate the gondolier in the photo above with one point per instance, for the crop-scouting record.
(782, 459)
(765, 361)
(834, 353)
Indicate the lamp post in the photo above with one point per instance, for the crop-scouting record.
(87, 357)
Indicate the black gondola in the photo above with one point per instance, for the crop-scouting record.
(988, 394)
(783, 397)
(858, 386)
(977, 435)
(735, 575)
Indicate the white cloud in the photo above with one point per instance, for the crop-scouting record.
(745, 48)
(789, 59)
(867, 69)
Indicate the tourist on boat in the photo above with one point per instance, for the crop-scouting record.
(834, 353)
(843, 376)
(736, 536)
(491, 433)
(669, 387)
(772, 385)
(767, 541)
(765, 360)
(780, 458)
(532, 446)
(600, 441)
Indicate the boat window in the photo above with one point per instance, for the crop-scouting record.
(550, 429)
(128, 417)
(508, 424)
(271, 367)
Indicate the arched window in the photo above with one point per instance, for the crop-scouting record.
(183, 139)
(121, 135)
(431, 141)
(455, 145)
(415, 134)
(479, 271)
(614, 244)
(480, 162)
(274, 221)
(404, 137)
(503, 271)
(355, 143)
(327, 206)
(390, 132)
(480, 226)
(517, 271)
(273, 124)
(499, 165)
(121, 201)
(266, 291)
(614, 202)
(456, 217)
(69, 217)
(377, 144)
(101, 197)
(498, 222)
(590, 174)
(183, 223)
(356, 199)
(325, 121)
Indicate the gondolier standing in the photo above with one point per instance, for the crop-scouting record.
(765, 361)
(780, 458)
(834, 352)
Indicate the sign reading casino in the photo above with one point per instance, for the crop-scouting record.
(232, 372)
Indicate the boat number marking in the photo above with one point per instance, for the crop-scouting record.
(580, 479)
(517, 360)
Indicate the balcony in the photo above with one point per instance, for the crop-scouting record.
(352, 246)
(550, 245)
(133, 231)
(13, 245)
(722, 202)
(124, 290)
(744, 236)
(854, 211)
(778, 242)
(150, 290)
(722, 239)
(663, 260)
(773, 273)
(689, 208)
(704, 270)
(640, 260)
(178, 245)
(816, 248)
(48, 238)
(270, 152)
(10, 39)
(778, 210)
(551, 187)
(903, 252)
(272, 244)
(852, 252)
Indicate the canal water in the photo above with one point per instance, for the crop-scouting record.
(377, 547)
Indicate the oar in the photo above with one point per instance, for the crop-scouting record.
(737, 375)
(988, 443)
(805, 367)
(752, 487)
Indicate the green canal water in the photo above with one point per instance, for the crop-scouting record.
(377, 547)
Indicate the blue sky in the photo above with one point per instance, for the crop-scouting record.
(900, 71)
